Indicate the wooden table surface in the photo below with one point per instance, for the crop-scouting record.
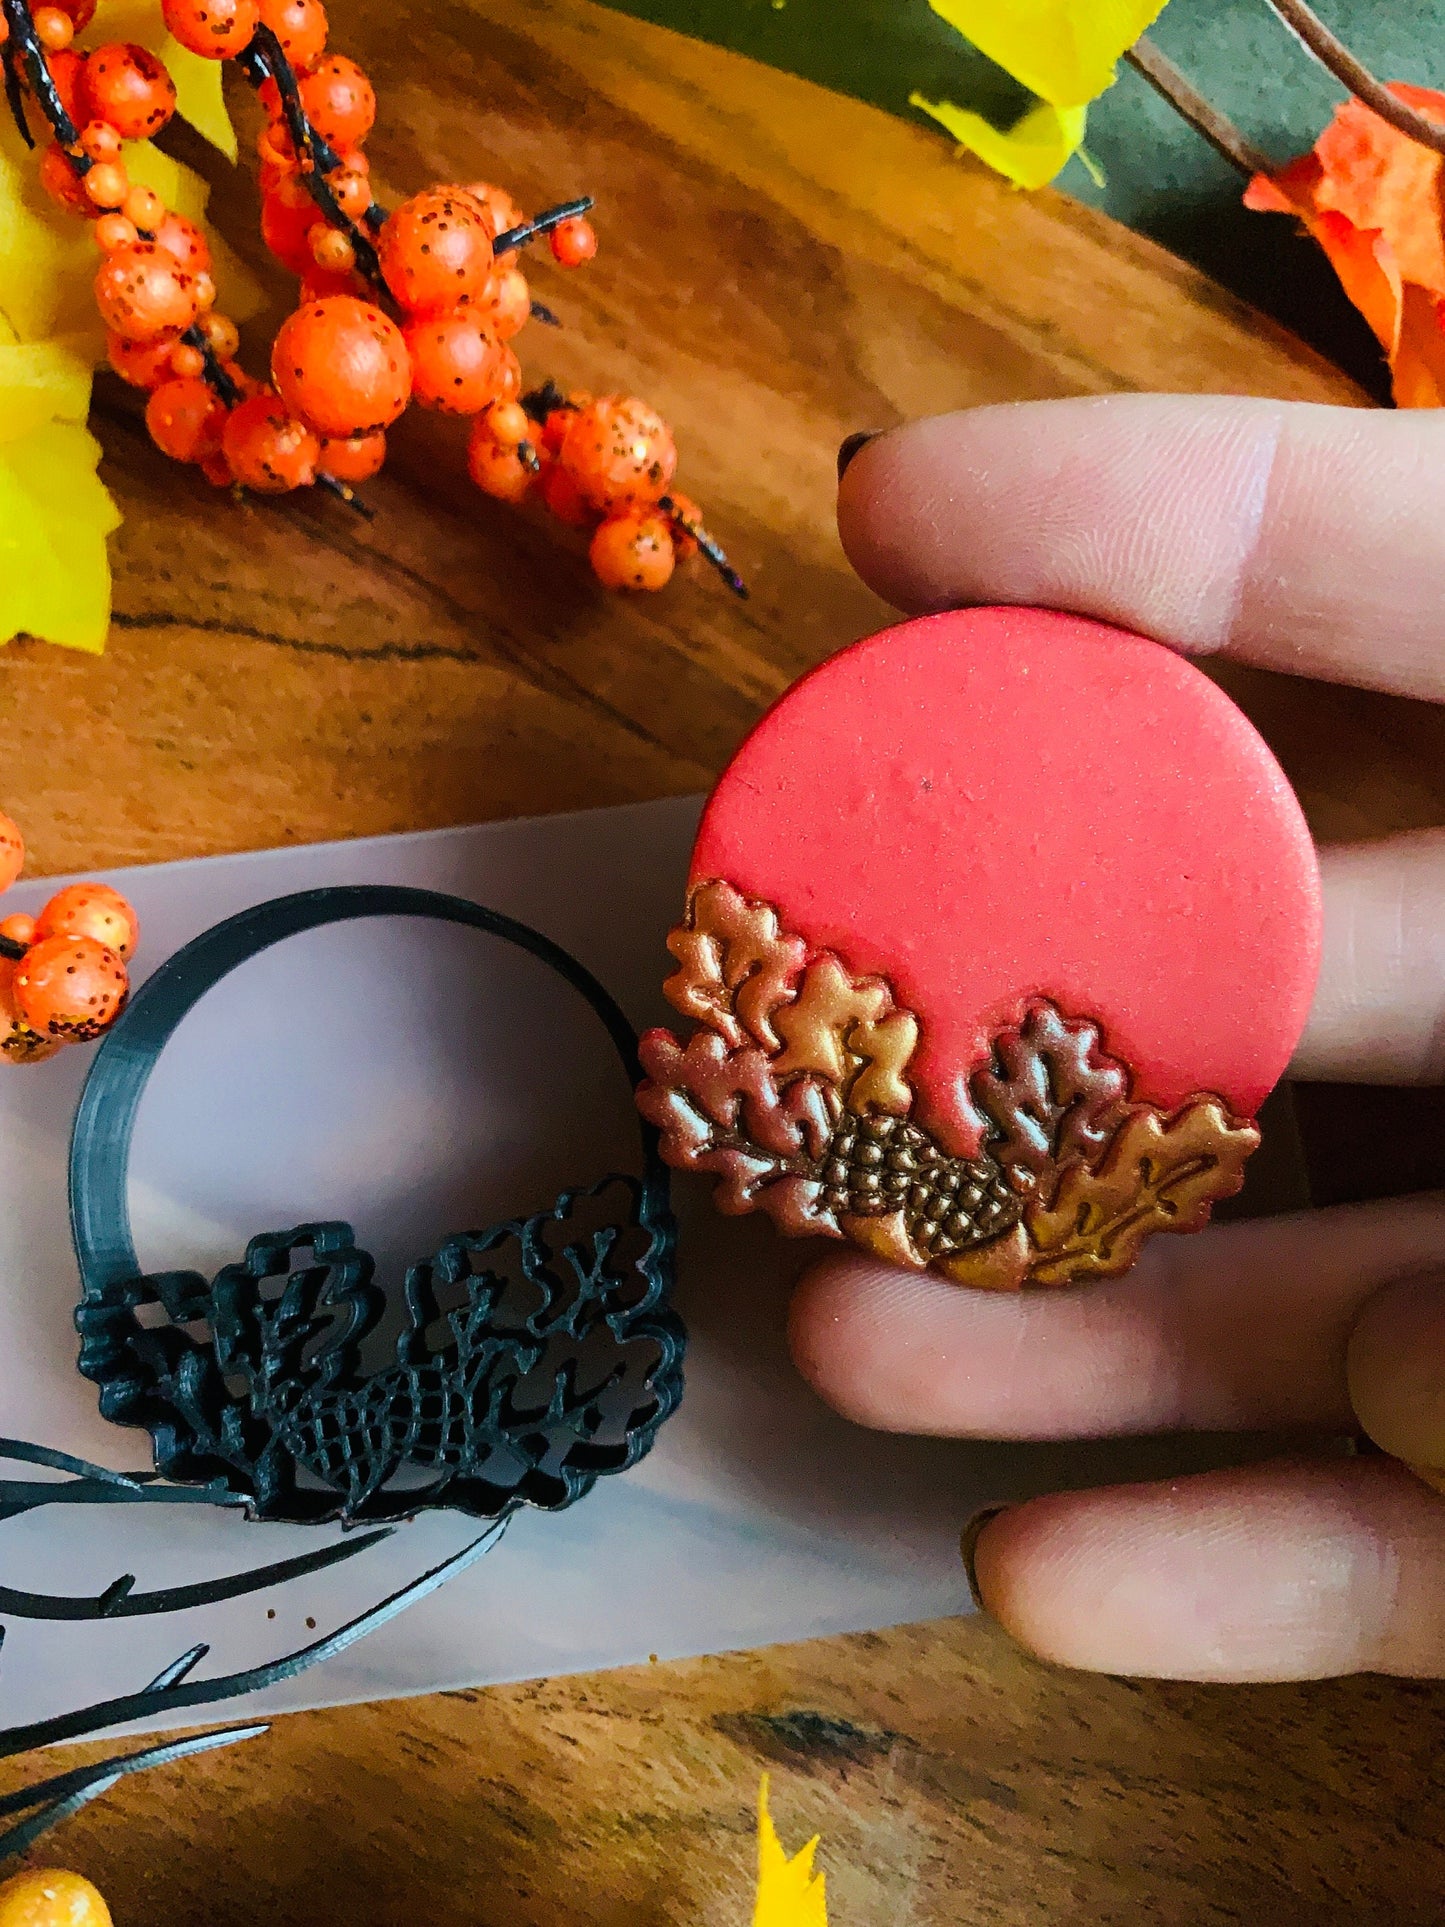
(779, 267)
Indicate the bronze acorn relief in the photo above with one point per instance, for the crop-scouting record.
(793, 1093)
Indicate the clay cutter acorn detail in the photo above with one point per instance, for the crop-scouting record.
(1000, 927)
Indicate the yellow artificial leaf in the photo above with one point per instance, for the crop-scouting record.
(1065, 51)
(198, 95)
(55, 514)
(1030, 153)
(790, 1894)
(47, 257)
(40, 382)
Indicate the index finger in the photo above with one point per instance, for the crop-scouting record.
(1284, 534)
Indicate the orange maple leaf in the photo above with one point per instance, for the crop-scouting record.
(1370, 197)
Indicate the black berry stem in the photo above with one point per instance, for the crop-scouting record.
(544, 401)
(215, 375)
(265, 59)
(15, 98)
(713, 551)
(518, 237)
(12, 949)
(344, 492)
(24, 42)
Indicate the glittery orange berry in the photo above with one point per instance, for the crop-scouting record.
(144, 364)
(619, 452)
(496, 468)
(99, 141)
(70, 989)
(107, 184)
(12, 851)
(143, 290)
(436, 251)
(351, 190)
(455, 362)
(223, 337)
(339, 100)
(184, 418)
(62, 183)
(331, 249)
(267, 448)
(90, 910)
(114, 231)
(45, 1897)
(356, 458)
(128, 86)
(216, 29)
(506, 300)
(342, 365)
(300, 26)
(509, 423)
(632, 551)
(573, 242)
(286, 230)
(54, 28)
(181, 238)
(18, 927)
(565, 500)
(19, 1044)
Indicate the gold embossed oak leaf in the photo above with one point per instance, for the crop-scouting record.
(792, 1093)
(1157, 1174)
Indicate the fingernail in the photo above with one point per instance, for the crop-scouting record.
(968, 1546)
(850, 447)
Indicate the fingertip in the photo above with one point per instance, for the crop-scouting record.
(1025, 1561)
(877, 542)
(1297, 1569)
(1139, 509)
(832, 1334)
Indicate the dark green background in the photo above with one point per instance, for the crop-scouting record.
(1160, 177)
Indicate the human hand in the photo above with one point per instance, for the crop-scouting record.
(1303, 539)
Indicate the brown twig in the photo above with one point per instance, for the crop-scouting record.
(1336, 58)
(1217, 128)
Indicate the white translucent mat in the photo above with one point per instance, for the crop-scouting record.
(420, 1080)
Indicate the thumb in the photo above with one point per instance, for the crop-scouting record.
(1396, 1368)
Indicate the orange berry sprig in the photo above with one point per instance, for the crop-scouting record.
(418, 305)
(154, 288)
(63, 976)
(605, 466)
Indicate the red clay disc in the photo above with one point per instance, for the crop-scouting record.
(998, 805)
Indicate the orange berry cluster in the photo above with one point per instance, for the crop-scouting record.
(63, 976)
(604, 465)
(419, 305)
